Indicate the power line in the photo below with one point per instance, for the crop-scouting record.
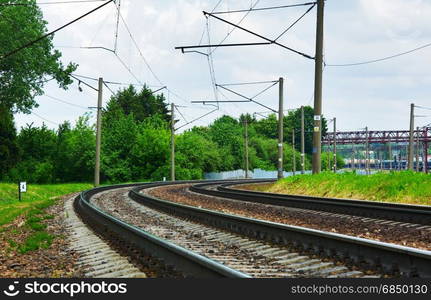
(249, 83)
(44, 119)
(378, 59)
(114, 82)
(55, 2)
(137, 47)
(143, 58)
(66, 102)
(128, 68)
(257, 35)
(240, 21)
(264, 8)
(423, 107)
(52, 32)
(181, 114)
(296, 21)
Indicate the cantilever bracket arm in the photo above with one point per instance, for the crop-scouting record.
(269, 41)
(216, 46)
(192, 121)
(249, 99)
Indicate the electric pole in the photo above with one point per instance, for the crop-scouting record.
(98, 133)
(391, 158)
(302, 141)
(293, 148)
(417, 149)
(246, 148)
(367, 152)
(411, 137)
(353, 157)
(172, 142)
(335, 145)
(317, 132)
(280, 128)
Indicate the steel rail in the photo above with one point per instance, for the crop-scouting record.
(389, 257)
(187, 262)
(418, 214)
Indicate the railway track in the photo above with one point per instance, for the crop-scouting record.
(401, 214)
(202, 243)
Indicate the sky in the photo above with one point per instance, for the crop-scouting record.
(376, 95)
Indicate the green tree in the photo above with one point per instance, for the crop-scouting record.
(149, 156)
(140, 104)
(293, 121)
(80, 144)
(23, 74)
(196, 154)
(9, 151)
(37, 147)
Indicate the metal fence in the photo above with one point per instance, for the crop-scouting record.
(237, 174)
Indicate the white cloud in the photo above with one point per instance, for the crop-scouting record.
(376, 95)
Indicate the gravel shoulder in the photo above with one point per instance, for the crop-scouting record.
(57, 261)
(411, 237)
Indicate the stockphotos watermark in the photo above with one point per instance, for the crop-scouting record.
(70, 289)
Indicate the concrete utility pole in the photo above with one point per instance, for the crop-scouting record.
(335, 145)
(293, 148)
(172, 141)
(391, 158)
(246, 149)
(417, 149)
(425, 152)
(367, 152)
(353, 157)
(407, 167)
(411, 137)
(280, 127)
(302, 141)
(98, 133)
(317, 132)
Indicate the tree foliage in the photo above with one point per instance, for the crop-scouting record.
(23, 74)
(136, 145)
(9, 151)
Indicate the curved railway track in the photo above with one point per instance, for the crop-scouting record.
(204, 243)
(416, 214)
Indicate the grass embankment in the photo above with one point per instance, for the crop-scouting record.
(32, 206)
(400, 187)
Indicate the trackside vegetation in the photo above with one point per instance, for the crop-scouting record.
(398, 187)
(136, 144)
(32, 208)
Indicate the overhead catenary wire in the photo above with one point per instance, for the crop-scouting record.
(239, 23)
(296, 21)
(66, 102)
(257, 35)
(143, 57)
(252, 98)
(26, 45)
(264, 8)
(115, 82)
(181, 114)
(378, 59)
(44, 119)
(54, 2)
(423, 107)
(248, 83)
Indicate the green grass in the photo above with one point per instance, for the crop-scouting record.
(37, 198)
(33, 204)
(401, 187)
(37, 240)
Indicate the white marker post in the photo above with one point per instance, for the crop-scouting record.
(22, 188)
